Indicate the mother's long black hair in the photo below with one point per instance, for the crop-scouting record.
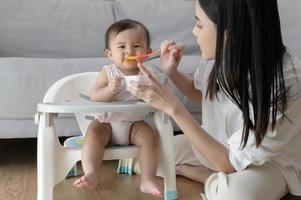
(248, 63)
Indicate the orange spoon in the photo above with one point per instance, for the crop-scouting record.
(143, 56)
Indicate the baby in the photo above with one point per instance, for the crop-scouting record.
(123, 38)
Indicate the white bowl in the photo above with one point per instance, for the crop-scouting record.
(142, 79)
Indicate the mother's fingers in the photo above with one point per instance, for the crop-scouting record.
(166, 44)
(177, 50)
(179, 47)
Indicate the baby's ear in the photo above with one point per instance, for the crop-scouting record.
(108, 53)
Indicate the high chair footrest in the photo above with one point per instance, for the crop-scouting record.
(125, 166)
(74, 142)
(170, 195)
(73, 172)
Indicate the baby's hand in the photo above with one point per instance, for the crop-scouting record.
(115, 84)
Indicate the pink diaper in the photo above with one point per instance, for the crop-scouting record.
(121, 132)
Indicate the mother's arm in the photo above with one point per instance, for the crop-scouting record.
(171, 54)
(161, 98)
(186, 85)
(215, 152)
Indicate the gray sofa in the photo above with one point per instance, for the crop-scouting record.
(42, 41)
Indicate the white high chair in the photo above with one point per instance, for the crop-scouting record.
(55, 161)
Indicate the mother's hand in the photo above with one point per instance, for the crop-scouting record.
(171, 54)
(154, 93)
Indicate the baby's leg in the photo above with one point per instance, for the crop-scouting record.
(97, 137)
(147, 139)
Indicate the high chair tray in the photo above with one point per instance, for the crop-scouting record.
(94, 107)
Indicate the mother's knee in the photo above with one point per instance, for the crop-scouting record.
(219, 187)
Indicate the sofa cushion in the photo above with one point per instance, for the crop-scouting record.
(54, 28)
(25, 81)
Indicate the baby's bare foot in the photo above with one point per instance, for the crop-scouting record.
(87, 180)
(149, 186)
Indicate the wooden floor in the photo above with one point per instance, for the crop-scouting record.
(18, 179)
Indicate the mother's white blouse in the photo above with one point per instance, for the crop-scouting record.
(222, 119)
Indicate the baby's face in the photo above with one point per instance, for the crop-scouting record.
(130, 42)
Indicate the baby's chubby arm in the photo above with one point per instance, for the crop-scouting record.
(105, 89)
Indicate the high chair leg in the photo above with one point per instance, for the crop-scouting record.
(167, 162)
(46, 160)
(50, 154)
(67, 157)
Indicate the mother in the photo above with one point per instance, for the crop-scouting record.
(249, 143)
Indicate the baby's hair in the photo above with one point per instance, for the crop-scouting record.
(123, 25)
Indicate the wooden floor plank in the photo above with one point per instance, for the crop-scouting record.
(18, 179)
